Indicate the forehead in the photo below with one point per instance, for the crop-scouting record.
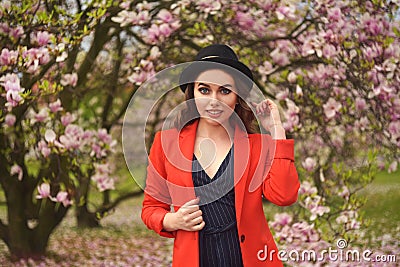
(215, 76)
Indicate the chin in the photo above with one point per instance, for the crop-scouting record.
(214, 122)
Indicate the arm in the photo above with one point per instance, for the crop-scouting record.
(156, 202)
(282, 184)
(156, 211)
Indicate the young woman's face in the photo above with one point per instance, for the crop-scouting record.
(215, 96)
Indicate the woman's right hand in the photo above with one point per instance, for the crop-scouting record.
(188, 217)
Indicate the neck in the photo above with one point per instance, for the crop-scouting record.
(215, 132)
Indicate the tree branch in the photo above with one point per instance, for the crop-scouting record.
(102, 210)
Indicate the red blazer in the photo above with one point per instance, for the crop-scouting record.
(169, 182)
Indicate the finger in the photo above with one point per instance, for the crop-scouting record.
(265, 105)
(197, 221)
(253, 104)
(191, 202)
(195, 214)
(199, 226)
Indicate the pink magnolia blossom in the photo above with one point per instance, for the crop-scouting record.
(102, 178)
(344, 193)
(67, 119)
(11, 84)
(394, 129)
(331, 108)
(165, 16)
(44, 191)
(104, 136)
(43, 148)
(245, 20)
(124, 17)
(282, 95)
(313, 204)
(153, 34)
(50, 136)
(371, 24)
(360, 104)
(8, 57)
(287, 12)
(72, 138)
(41, 38)
(13, 98)
(97, 151)
(10, 119)
(144, 71)
(279, 58)
(34, 57)
(142, 17)
(105, 183)
(299, 90)
(309, 164)
(329, 51)
(372, 52)
(62, 197)
(334, 14)
(307, 188)
(265, 70)
(165, 30)
(69, 79)
(208, 6)
(55, 106)
(292, 77)
(16, 169)
(154, 53)
(41, 116)
(16, 32)
(282, 219)
(128, 18)
(362, 123)
(291, 115)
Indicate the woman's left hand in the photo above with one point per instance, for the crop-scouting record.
(268, 114)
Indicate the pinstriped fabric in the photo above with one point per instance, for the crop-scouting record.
(218, 240)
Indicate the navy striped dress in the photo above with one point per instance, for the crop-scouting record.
(218, 240)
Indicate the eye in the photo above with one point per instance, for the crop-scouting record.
(225, 91)
(203, 90)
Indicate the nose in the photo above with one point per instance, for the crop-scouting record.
(214, 100)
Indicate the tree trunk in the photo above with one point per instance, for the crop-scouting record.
(27, 237)
(85, 218)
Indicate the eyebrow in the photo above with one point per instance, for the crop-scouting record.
(225, 85)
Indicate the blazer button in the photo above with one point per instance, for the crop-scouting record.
(242, 237)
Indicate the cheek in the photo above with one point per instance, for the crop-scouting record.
(201, 103)
(231, 102)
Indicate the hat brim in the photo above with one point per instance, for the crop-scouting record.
(191, 72)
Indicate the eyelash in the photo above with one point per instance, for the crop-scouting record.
(224, 91)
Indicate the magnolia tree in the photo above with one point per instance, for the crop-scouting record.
(69, 69)
(49, 151)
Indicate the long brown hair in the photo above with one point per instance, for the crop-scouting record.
(189, 114)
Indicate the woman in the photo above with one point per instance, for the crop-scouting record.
(214, 170)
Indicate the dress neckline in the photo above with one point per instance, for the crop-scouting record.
(216, 175)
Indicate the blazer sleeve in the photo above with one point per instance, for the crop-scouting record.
(156, 202)
(282, 183)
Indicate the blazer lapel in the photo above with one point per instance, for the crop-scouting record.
(241, 160)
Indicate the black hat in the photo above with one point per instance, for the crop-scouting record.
(217, 53)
